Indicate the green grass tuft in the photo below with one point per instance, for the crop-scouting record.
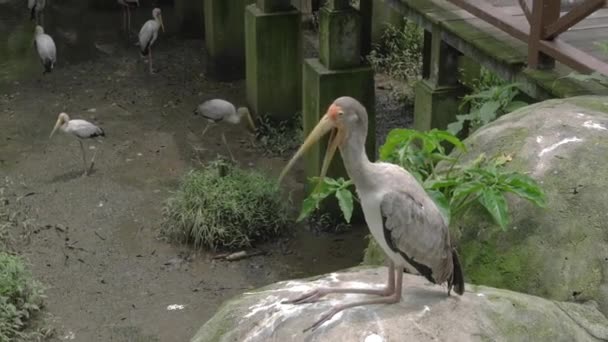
(20, 298)
(222, 206)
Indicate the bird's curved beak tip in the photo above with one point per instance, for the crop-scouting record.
(325, 125)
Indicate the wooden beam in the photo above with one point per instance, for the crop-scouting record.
(562, 51)
(573, 17)
(524, 7)
(544, 13)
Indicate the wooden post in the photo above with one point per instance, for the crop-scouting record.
(544, 13)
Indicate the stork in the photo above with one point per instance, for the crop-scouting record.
(45, 46)
(402, 218)
(218, 110)
(149, 33)
(126, 12)
(81, 129)
(36, 7)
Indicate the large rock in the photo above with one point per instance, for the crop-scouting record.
(425, 313)
(560, 252)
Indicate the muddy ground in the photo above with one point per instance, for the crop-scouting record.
(93, 241)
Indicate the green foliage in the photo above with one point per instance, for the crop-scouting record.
(279, 138)
(222, 206)
(399, 53)
(485, 106)
(336, 187)
(20, 298)
(454, 188)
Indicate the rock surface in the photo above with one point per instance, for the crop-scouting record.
(560, 252)
(425, 313)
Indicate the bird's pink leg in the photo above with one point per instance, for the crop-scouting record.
(150, 60)
(319, 292)
(393, 298)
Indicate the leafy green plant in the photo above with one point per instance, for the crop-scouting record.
(222, 206)
(20, 298)
(455, 188)
(485, 106)
(330, 186)
(399, 53)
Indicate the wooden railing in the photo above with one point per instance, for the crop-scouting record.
(543, 30)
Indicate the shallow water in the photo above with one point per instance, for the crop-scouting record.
(109, 277)
(118, 279)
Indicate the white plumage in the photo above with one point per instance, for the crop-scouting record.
(401, 216)
(218, 110)
(81, 129)
(149, 33)
(45, 46)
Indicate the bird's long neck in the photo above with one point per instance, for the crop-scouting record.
(355, 158)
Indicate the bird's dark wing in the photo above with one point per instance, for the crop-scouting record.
(417, 233)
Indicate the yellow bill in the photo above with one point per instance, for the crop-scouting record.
(57, 125)
(326, 124)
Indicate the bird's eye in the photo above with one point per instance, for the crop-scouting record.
(341, 113)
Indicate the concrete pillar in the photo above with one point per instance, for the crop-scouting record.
(382, 16)
(190, 18)
(438, 93)
(338, 72)
(225, 38)
(273, 49)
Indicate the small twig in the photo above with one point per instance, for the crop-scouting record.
(26, 195)
(99, 236)
(238, 255)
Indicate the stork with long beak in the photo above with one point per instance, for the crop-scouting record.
(149, 33)
(81, 129)
(402, 218)
(216, 111)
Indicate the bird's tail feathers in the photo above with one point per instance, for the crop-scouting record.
(457, 280)
(48, 66)
(144, 50)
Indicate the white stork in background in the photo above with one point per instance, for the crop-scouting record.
(149, 33)
(403, 219)
(218, 110)
(45, 46)
(126, 12)
(36, 7)
(81, 129)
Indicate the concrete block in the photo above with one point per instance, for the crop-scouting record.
(225, 38)
(436, 106)
(339, 38)
(274, 62)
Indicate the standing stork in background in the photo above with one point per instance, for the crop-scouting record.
(127, 5)
(218, 110)
(36, 7)
(45, 46)
(148, 35)
(403, 219)
(81, 129)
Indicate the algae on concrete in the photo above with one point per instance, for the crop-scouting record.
(274, 62)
